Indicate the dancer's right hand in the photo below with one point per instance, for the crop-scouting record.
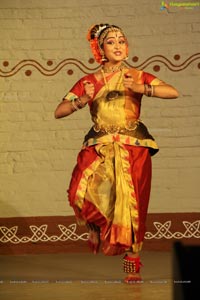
(89, 89)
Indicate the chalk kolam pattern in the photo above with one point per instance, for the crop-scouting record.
(40, 233)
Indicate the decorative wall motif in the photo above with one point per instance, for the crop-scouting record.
(40, 234)
(192, 229)
(51, 69)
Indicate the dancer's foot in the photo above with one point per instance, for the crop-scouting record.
(132, 266)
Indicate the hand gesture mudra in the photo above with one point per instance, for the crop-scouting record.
(89, 89)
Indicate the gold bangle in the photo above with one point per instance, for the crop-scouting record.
(74, 105)
(81, 105)
(148, 90)
(152, 90)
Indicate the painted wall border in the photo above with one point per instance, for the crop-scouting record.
(61, 234)
(50, 68)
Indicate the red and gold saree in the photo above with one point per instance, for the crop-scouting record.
(110, 185)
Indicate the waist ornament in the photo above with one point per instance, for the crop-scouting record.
(115, 128)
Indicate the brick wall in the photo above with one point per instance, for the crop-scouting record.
(37, 152)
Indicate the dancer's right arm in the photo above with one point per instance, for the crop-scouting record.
(67, 107)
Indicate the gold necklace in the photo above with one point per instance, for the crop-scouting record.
(114, 94)
(112, 69)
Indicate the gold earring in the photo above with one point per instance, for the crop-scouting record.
(126, 58)
(103, 58)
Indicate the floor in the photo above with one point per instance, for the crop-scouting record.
(83, 276)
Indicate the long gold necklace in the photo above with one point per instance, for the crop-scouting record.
(116, 93)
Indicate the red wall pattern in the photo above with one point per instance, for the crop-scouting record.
(54, 234)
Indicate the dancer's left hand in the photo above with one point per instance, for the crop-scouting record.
(129, 82)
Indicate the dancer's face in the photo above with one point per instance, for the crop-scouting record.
(115, 46)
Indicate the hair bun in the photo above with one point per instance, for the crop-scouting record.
(95, 30)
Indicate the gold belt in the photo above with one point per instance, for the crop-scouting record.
(114, 128)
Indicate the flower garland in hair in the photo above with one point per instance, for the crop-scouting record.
(92, 37)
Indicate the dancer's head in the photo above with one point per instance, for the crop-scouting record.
(97, 36)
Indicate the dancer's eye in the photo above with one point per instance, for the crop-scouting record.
(110, 42)
(122, 42)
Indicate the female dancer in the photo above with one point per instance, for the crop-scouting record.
(110, 186)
